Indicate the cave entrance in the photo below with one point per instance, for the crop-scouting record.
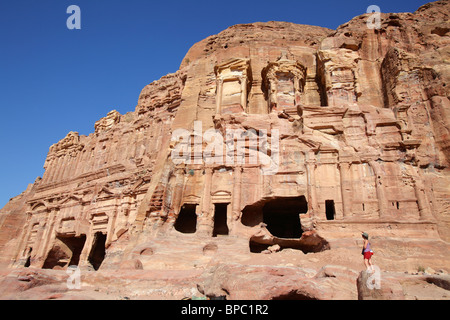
(220, 219)
(330, 210)
(187, 219)
(97, 254)
(65, 252)
(282, 216)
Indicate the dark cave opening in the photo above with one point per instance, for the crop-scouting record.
(65, 252)
(187, 219)
(282, 216)
(98, 250)
(294, 295)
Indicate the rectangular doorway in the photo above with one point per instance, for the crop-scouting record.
(330, 210)
(187, 219)
(220, 219)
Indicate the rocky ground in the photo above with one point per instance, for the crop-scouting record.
(217, 270)
(363, 117)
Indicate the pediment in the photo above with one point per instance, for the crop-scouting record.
(104, 193)
(221, 193)
(71, 200)
(191, 199)
(38, 206)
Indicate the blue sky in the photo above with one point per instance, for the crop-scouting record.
(54, 80)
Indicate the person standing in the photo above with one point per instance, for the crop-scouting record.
(367, 252)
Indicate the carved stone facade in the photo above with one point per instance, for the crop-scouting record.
(358, 138)
(284, 83)
(232, 85)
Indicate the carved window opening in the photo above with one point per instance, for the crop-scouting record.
(220, 219)
(330, 210)
(187, 219)
(98, 250)
(282, 216)
(396, 204)
(65, 252)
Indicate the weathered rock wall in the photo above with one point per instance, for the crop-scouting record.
(324, 133)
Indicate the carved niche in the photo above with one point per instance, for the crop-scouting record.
(336, 71)
(233, 84)
(284, 81)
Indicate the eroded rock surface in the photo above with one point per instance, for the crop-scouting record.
(273, 142)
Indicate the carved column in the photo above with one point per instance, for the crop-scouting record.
(205, 221)
(243, 81)
(177, 193)
(66, 166)
(219, 95)
(50, 170)
(297, 92)
(43, 249)
(57, 169)
(46, 172)
(311, 185)
(381, 195)
(84, 263)
(346, 189)
(76, 165)
(237, 184)
(422, 202)
(81, 162)
(111, 228)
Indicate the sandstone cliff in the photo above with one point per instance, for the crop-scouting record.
(325, 133)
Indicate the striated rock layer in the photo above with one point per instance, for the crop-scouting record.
(270, 137)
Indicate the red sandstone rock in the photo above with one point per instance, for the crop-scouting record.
(351, 132)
